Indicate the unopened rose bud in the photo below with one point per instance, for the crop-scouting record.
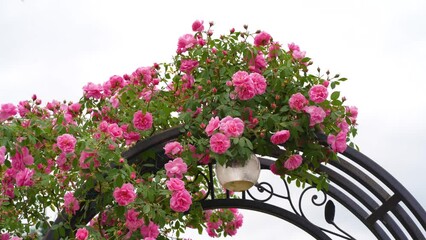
(245, 26)
(209, 81)
(224, 52)
(255, 121)
(319, 69)
(121, 160)
(155, 81)
(211, 23)
(277, 97)
(214, 50)
(111, 147)
(34, 97)
(273, 105)
(328, 72)
(336, 76)
(222, 37)
(132, 175)
(326, 83)
(343, 98)
(258, 31)
(202, 125)
(232, 30)
(38, 102)
(229, 83)
(188, 134)
(262, 134)
(199, 88)
(209, 32)
(214, 90)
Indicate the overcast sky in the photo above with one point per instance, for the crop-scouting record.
(53, 48)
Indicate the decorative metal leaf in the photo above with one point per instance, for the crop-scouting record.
(329, 212)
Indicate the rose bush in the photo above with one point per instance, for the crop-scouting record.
(232, 96)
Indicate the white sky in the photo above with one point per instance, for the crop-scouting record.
(53, 48)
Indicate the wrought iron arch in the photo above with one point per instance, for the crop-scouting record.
(362, 186)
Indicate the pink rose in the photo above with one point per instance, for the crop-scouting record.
(298, 55)
(187, 65)
(66, 143)
(7, 110)
(318, 93)
(151, 231)
(293, 47)
(22, 158)
(143, 75)
(142, 121)
(2, 154)
(352, 112)
(197, 26)
(259, 83)
(186, 42)
(93, 90)
(240, 78)
(88, 156)
(173, 148)
(297, 102)
(280, 137)
(212, 126)
(176, 168)
(82, 234)
(180, 201)
(293, 162)
(246, 91)
(71, 204)
(274, 50)
(23, 108)
(317, 114)
(124, 195)
(343, 125)
(24, 177)
(132, 220)
(258, 64)
(262, 39)
(337, 143)
(232, 127)
(273, 169)
(219, 143)
(115, 131)
(175, 184)
(75, 107)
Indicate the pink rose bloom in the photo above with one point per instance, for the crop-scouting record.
(4, 236)
(176, 168)
(175, 184)
(151, 231)
(259, 83)
(23, 108)
(246, 91)
(293, 47)
(212, 126)
(75, 107)
(258, 64)
(124, 195)
(115, 131)
(343, 125)
(143, 74)
(317, 114)
(24, 177)
(297, 101)
(82, 234)
(132, 220)
(173, 148)
(187, 65)
(337, 143)
(66, 143)
(93, 90)
(2, 154)
(142, 121)
(232, 127)
(274, 50)
(103, 126)
(15, 238)
(22, 158)
(7, 110)
(298, 55)
(318, 93)
(114, 102)
(293, 162)
(188, 81)
(186, 42)
(71, 204)
(219, 143)
(88, 156)
(280, 137)
(180, 201)
(352, 112)
(240, 78)
(262, 39)
(273, 169)
(197, 26)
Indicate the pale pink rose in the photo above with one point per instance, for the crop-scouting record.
(259, 83)
(298, 55)
(82, 234)
(66, 143)
(197, 26)
(293, 162)
(337, 143)
(352, 112)
(115, 131)
(71, 204)
(142, 121)
(318, 93)
(22, 158)
(297, 102)
(24, 177)
(7, 110)
(15, 238)
(176, 168)
(219, 143)
(246, 91)
(232, 127)
(317, 114)
(240, 78)
(186, 42)
(280, 137)
(187, 65)
(262, 39)
(180, 201)
(293, 47)
(132, 220)
(175, 184)
(92, 90)
(2, 154)
(274, 50)
(124, 195)
(173, 148)
(343, 125)
(151, 231)
(212, 126)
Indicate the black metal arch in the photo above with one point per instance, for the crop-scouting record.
(374, 196)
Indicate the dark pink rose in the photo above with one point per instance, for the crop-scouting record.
(280, 137)
(75, 107)
(232, 127)
(132, 220)
(318, 93)
(258, 64)
(150, 231)
(124, 195)
(115, 131)
(317, 114)
(82, 234)
(142, 75)
(180, 201)
(274, 50)
(273, 169)
(297, 102)
(71, 204)
(262, 39)
(212, 126)
(293, 47)
(175, 184)
(293, 162)
(7, 110)
(337, 143)
(142, 121)
(2, 154)
(219, 143)
(173, 148)
(176, 168)
(240, 78)
(24, 177)
(197, 26)
(186, 42)
(66, 143)
(92, 90)
(187, 65)
(22, 158)
(259, 83)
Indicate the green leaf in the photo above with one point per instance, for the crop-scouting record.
(335, 95)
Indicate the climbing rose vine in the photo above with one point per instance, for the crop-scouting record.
(231, 95)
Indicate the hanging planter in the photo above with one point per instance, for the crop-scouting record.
(239, 176)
